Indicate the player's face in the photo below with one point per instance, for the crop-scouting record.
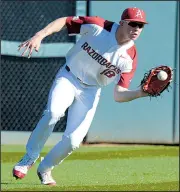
(132, 29)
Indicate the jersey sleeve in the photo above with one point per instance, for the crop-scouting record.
(83, 24)
(126, 78)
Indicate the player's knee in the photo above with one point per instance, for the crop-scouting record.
(73, 142)
(74, 145)
(53, 117)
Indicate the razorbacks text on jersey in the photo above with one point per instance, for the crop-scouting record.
(97, 58)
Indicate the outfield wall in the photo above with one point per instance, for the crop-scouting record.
(25, 82)
(142, 120)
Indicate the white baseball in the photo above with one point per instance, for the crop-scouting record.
(162, 75)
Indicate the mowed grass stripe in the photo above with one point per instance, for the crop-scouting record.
(164, 186)
(121, 154)
(113, 170)
(102, 172)
(90, 148)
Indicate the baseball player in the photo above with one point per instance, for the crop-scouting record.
(105, 53)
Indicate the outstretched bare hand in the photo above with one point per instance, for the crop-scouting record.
(30, 45)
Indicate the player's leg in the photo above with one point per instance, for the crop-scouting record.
(79, 120)
(60, 98)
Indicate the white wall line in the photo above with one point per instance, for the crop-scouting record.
(46, 49)
(21, 137)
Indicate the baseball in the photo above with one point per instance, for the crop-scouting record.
(162, 75)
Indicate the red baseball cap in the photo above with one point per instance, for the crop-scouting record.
(134, 14)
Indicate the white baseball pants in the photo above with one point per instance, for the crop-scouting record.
(67, 91)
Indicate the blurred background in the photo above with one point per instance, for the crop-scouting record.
(25, 83)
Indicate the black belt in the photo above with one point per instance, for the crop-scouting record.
(68, 69)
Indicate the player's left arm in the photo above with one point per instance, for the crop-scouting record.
(121, 90)
(122, 94)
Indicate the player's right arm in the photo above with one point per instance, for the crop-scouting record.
(35, 41)
(75, 25)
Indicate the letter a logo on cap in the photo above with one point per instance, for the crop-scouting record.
(139, 14)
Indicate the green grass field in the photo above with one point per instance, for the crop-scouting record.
(95, 168)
